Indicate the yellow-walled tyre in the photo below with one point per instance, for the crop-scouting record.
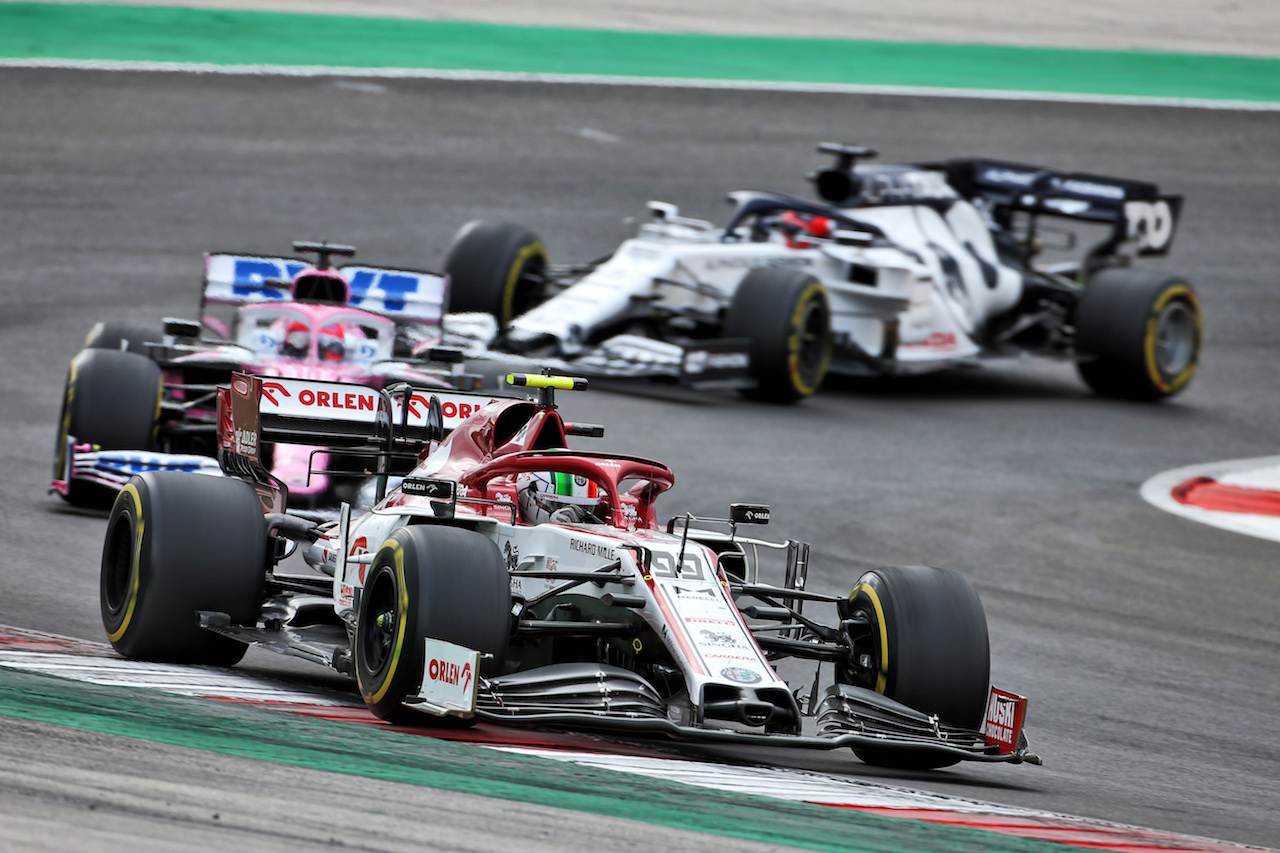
(927, 648)
(428, 581)
(786, 317)
(1138, 334)
(178, 543)
(111, 400)
(496, 268)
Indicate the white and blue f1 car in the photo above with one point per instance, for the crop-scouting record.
(896, 270)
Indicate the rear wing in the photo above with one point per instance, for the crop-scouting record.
(406, 296)
(1135, 209)
(255, 409)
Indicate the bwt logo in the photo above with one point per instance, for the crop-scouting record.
(449, 673)
(388, 288)
(251, 275)
(394, 287)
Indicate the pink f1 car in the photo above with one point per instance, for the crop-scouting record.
(141, 397)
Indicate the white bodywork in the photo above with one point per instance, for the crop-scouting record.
(690, 610)
(934, 282)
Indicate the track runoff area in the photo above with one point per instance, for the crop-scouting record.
(68, 682)
(241, 42)
(87, 686)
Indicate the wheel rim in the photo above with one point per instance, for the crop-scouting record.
(119, 563)
(812, 344)
(528, 290)
(1175, 338)
(865, 651)
(378, 629)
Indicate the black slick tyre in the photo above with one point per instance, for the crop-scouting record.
(177, 543)
(1138, 334)
(112, 401)
(428, 581)
(786, 317)
(929, 651)
(496, 268)
(128, 335)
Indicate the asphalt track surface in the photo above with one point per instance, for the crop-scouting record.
(1148, 644)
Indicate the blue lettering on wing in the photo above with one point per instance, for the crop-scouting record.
(394, 286)
(250, 276)
(360, 283)
(141, 464)
(397, 287)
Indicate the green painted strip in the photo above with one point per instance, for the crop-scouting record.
(299, 741)
(129, 33)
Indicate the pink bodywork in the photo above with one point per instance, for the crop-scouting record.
(294, 464)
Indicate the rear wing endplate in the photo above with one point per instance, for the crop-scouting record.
(255, 409)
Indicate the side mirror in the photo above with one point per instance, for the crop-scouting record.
(586, 430)
(445, 355)
(180, 328)
(663, 211)
(854, 238)
(749, 513)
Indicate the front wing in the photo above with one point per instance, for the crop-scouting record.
(712, 363)
(848, 716)
(113, 468)
(605, 697)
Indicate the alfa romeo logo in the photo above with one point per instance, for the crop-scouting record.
(740, 674)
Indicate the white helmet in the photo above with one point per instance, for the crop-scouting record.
(540, 493)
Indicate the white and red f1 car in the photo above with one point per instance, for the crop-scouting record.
(897, 270)
(447, 601)
(140, 397)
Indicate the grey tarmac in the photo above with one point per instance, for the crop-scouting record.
(1148, 644)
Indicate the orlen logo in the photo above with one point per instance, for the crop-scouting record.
(458, 410)
(270, 389)
(335, 399)
(359, 548)
(449, 673)
(448, 408)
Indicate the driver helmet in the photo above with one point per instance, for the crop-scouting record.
(332, 343)
(296, 341)
(542, 493)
